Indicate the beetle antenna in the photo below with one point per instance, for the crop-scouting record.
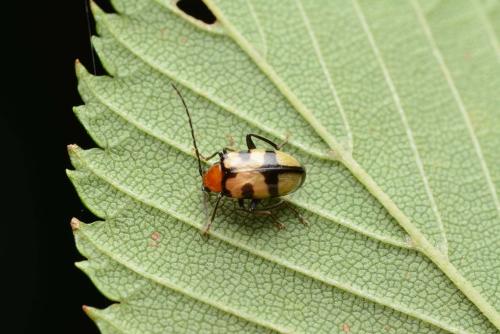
(192, 130)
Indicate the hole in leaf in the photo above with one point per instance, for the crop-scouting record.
(197, 9)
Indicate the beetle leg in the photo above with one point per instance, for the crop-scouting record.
(241, 203)
(269, 213)
(264, 212)
(212, 216)
(297, 213)
(228, 149)
(287, 136)
(206, 198)
(205, 159)
(251, 144)
(288, 205)
(253, 205)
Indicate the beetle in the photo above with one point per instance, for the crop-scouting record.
(254, 174)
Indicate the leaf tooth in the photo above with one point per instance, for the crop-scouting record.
(75, 224)
(100, 318)
(80, 70)
(108, 64)
(73, 148)
(96, 10)
(74, 156)
(88, 310)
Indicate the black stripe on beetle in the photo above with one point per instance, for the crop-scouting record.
(227, 174)
(271, 179)
(271, 176)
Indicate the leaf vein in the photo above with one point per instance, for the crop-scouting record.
(488, 27)
(259, 28)
(404, 120)
(326, 72)
(457, 97)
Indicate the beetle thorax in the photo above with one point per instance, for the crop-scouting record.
(212, 179)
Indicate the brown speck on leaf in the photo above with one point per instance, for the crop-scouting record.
(346, 328)
(155, 238)
(85, 308)
(387, 328)
(183, 39)
(75, 224)
(467, 56)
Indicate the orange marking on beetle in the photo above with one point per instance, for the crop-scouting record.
(212, 179)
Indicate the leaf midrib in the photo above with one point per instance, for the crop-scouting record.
(264, 255)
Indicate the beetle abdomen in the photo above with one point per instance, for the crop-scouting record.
(260, 174)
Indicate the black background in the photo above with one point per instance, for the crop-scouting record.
(41, 289)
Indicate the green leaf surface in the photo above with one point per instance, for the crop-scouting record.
(393, 107)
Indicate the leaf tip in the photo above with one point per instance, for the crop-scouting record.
(75, 224)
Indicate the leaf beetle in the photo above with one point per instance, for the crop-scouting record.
(254, 174)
